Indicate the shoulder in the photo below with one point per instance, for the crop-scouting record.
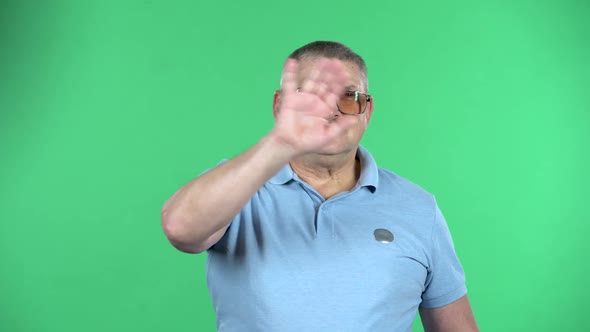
(391, 183)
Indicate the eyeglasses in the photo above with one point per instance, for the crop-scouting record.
(352, 102)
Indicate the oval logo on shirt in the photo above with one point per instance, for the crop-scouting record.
(382, 235)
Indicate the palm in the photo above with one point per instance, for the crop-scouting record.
(306, 118)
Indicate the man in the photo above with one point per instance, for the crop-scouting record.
(305, 233)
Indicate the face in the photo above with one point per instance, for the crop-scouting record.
(350, 138)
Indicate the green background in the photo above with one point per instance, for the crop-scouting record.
(107, 107)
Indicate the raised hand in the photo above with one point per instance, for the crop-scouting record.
(308, 118)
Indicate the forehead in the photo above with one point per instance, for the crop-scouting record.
(355, 81)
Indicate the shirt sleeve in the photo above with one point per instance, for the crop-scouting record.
(445, 282)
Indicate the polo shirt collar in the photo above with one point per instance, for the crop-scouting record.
(284, 175)
(369, 172)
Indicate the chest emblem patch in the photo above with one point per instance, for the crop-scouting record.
(382, 235)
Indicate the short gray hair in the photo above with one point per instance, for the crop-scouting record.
(334, 50)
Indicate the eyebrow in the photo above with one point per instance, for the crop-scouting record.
(350, 87)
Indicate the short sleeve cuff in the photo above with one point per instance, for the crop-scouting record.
(445, 299)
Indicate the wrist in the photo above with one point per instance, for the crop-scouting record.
(279, 148)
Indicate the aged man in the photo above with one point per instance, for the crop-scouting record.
(304, 232)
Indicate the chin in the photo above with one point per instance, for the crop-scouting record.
(337, 149)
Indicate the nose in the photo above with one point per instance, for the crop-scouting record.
(335, 113)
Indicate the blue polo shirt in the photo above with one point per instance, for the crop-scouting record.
(363, 260)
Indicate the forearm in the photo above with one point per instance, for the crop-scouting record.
(207, 204)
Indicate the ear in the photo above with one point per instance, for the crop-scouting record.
(276, 102)
(369, 111)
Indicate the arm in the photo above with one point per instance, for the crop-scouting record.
(453, 317)
(198, 214)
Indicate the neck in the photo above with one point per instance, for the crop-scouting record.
(328, 174)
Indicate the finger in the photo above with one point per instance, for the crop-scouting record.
(332, 97)
(336, 81)
(325, 79)
(339, 77)
(310, 83)
(289, 79)
(322, 88)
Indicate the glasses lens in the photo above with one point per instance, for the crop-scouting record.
(352, 102)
